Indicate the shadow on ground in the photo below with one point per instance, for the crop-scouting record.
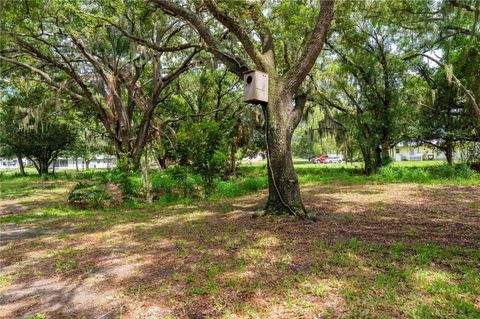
(380, 250)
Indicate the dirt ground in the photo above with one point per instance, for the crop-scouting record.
(217, 260)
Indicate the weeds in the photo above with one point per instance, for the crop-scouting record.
(176, 184)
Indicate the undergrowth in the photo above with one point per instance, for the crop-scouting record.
(177, 183)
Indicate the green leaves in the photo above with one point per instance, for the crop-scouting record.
(203, 146)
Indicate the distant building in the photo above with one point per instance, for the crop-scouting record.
(12, 163)
(99, 161)
(412, 151)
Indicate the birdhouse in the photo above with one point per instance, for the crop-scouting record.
(255, 87)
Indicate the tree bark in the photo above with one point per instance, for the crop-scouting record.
(233, 159)
(385, 151)
(43, 167)
(378, 158)
(283, 187)
(20, 165)
(449, 152)
(367, 160)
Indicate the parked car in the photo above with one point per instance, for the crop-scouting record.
(333, 159)
(319, 159)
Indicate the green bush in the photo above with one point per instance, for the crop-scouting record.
(124, 175)
(129, 183)
(184, 180)
(180, 182)
(202, 147)
(444, 171)
(255, 184)
(418, 175)
(389, 173)
(89, 195)
(465, 172)
(164, 186)
(175, 182)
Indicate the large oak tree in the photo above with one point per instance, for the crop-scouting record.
(280, 41)
(116, 57)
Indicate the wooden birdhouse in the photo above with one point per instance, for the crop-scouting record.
(255, 87)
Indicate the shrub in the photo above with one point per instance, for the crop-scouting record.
(130, 183)
(184, 180)
(465, 172)
(89, 195)
(125, 177)
(419, 175)
(444, 171)
(389, 173)
(162, 185)
(255, 184)
(161, 182)
(202, 146)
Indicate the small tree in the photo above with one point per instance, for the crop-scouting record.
(43, 146)
(202, 146)
(88, 143)
(8, 151)
(31, 126)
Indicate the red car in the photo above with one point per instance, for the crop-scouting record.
(320, 159)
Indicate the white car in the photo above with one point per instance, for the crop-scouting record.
(334, 159)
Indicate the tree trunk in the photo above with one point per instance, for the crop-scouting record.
(283, 187)
(378, 158)
(385, 152)
(147, 184)
(76, 163)
(87, 163)
(233, 159)
(20, 165)
(449, 152)
(43, 167)
(367, 160)
(142, 137)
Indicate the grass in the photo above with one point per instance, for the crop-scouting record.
(383, 248)
(434, 172)
(253, 178)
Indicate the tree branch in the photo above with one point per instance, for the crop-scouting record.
(235, 64)
(456, 81)
(309, 56)
(466, 6)
(149, 44)
(44, 75)
(238, 30)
